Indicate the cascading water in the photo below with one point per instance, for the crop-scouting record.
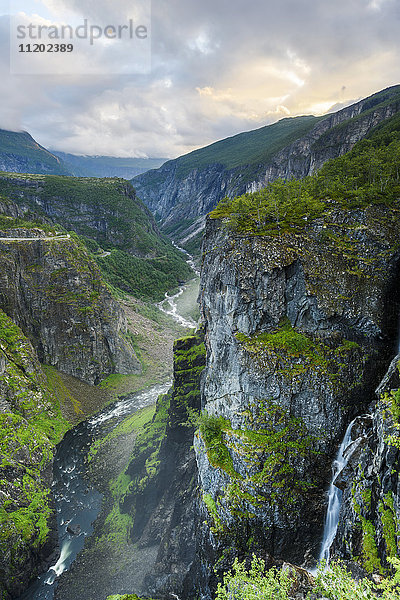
(335, 497)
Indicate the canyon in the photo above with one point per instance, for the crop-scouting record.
(297, 339)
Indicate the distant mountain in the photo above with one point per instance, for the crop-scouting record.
(108, 166)
(184, 190)
(20, 153)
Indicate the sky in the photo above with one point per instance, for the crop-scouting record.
(217, 67)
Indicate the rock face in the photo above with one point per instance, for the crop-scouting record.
(165, 503)
(54, 292)
(298, 332)
(174, 194)
(370, 512)
(30, 425)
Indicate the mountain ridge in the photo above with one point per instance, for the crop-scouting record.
(172, 197)
(21, 153)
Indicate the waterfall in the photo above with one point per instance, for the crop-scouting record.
(335, 497)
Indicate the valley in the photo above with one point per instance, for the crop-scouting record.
(164, 423)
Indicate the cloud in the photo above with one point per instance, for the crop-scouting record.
(217, 68)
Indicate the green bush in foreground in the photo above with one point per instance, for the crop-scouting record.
(334, 583)
(337, 584)
(255, 584)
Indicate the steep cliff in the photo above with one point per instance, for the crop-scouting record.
(117, 228)
(145, 538)
(299, 326)
(52, 289)
(30, 425)
(106, 210)
(369, 520)
(191, 186)
(163, 472)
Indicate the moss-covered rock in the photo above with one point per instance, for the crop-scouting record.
(302, 324)
(30, 425)
(54, 291)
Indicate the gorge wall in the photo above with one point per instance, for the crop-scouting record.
(30, 425)
(54, 309)
(54, 292)
(299, 330)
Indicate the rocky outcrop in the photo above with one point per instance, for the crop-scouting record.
(370, 512)
(298, 330)
(332, 137)
(166, 507)
(145, 537)
(30, 425)
(54, 292)
(173, 194)
(105, 210)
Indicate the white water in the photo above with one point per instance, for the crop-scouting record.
(190, 260)
(78, 504)
(61, 565)
(169, 307)
(169, 304)
(124, 407)
(335, 498)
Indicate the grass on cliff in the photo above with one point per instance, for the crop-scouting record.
(21, 146)
(116, 227)
(247, 148)
(29, 430)
(368, 174)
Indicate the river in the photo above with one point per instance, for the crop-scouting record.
(77, 503)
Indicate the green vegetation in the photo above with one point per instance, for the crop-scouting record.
(391, 405)
(271, 447)
(213, 512)
(189, 362)
(118, 524)
(248, 148)
(11, 223)
(135, 422)
(389, 524)
(334, 583)
(257, 583)
(29, 430)
(115, 226)
(60, 390)
(143, 466)
(33, 157)
(193, 245)
(368, 174)
(212, 431)
(371, 561)
(144, 278)
(298, 352)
